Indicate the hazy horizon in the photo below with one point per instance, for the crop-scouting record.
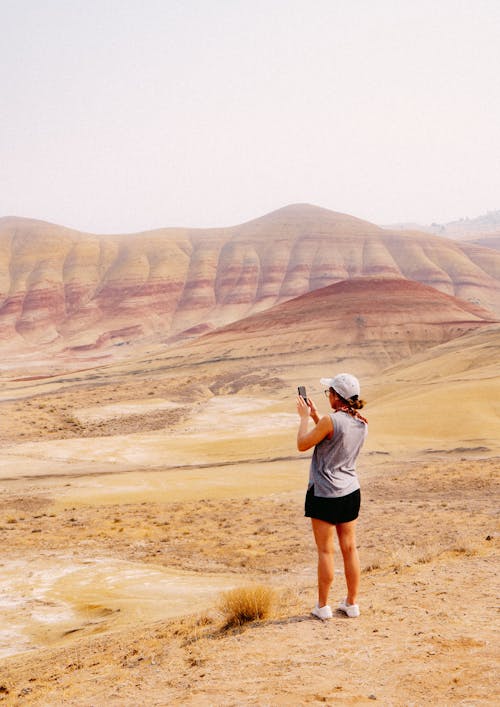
(129, 116)
(406, 224)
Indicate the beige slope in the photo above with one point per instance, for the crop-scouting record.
(445, 398)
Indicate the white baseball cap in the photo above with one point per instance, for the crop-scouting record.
(344, 384)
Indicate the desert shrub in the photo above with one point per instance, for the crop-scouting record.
(246, 604)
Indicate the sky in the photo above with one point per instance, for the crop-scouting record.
(126, 115)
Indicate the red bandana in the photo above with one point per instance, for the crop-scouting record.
(352, 412)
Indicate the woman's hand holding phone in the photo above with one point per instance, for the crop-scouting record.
(313, 411)
(302, 407)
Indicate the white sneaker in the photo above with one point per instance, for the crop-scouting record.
(352, 610)
(323, 612)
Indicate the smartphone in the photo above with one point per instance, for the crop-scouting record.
(302, 392)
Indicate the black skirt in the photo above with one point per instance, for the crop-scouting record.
(333, 510)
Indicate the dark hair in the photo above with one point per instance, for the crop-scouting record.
(354, 402)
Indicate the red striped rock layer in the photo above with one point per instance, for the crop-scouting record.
(79, 291)
(371, 322)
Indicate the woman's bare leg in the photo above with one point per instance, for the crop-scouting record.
(346, 533)
(323, 535)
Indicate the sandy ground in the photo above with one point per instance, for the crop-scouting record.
(99, 628)
(125, 512)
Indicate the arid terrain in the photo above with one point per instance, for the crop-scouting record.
(101, 628)
(136, 492)
(123, 519)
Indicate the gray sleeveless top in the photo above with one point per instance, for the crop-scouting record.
(333, 464)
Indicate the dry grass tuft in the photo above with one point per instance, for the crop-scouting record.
(372, 566)
(402, 558)
(464, 545)
(246, 604)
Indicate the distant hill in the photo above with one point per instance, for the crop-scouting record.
(481, 227)
(489, 240)
(81, 295)
(370, 322)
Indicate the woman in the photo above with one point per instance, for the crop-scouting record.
(333, 495)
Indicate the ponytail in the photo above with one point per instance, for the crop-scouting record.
(355, 403)
(352, 405)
